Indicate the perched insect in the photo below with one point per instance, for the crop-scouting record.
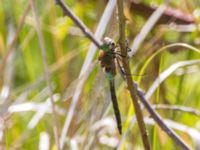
(107, 56)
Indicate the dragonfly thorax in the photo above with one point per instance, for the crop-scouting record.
(107, 56)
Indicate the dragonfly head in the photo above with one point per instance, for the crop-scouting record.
(108, 44)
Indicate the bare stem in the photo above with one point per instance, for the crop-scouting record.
(122, 41)
(78, 22)
(159, 120)
(47, 73)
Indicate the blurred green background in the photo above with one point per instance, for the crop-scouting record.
(26, 118)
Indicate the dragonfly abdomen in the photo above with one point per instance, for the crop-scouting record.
(115, 106)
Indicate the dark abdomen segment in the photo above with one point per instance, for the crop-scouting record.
(115, 105)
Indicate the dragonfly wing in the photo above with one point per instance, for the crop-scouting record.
(113, 29)
(69, 91)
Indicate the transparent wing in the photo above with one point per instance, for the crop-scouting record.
(69, 92)
(112, 29)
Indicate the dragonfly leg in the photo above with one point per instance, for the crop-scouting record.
(122, 72)
(119, 54)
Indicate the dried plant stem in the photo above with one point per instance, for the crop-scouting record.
(47, 73)
(122, 41)
(159, 120)
(78, 22)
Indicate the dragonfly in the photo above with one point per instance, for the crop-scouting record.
(107, 57)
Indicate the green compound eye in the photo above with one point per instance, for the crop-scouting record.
(105, 47)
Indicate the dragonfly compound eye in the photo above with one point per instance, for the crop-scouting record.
(108, 41)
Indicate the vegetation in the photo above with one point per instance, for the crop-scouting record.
(55, 95)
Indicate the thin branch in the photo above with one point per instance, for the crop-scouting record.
(122, 41)
(47, 73)
(177, 108)
(78, 22)
(159, 120)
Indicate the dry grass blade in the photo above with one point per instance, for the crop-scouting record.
(44, 141)
(147, 28)
(177, 108)
(47, 73)
(166, 74)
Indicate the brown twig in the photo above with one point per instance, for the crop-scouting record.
(123, 47)
(78, 22)
(159, 120)
(47, 72)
